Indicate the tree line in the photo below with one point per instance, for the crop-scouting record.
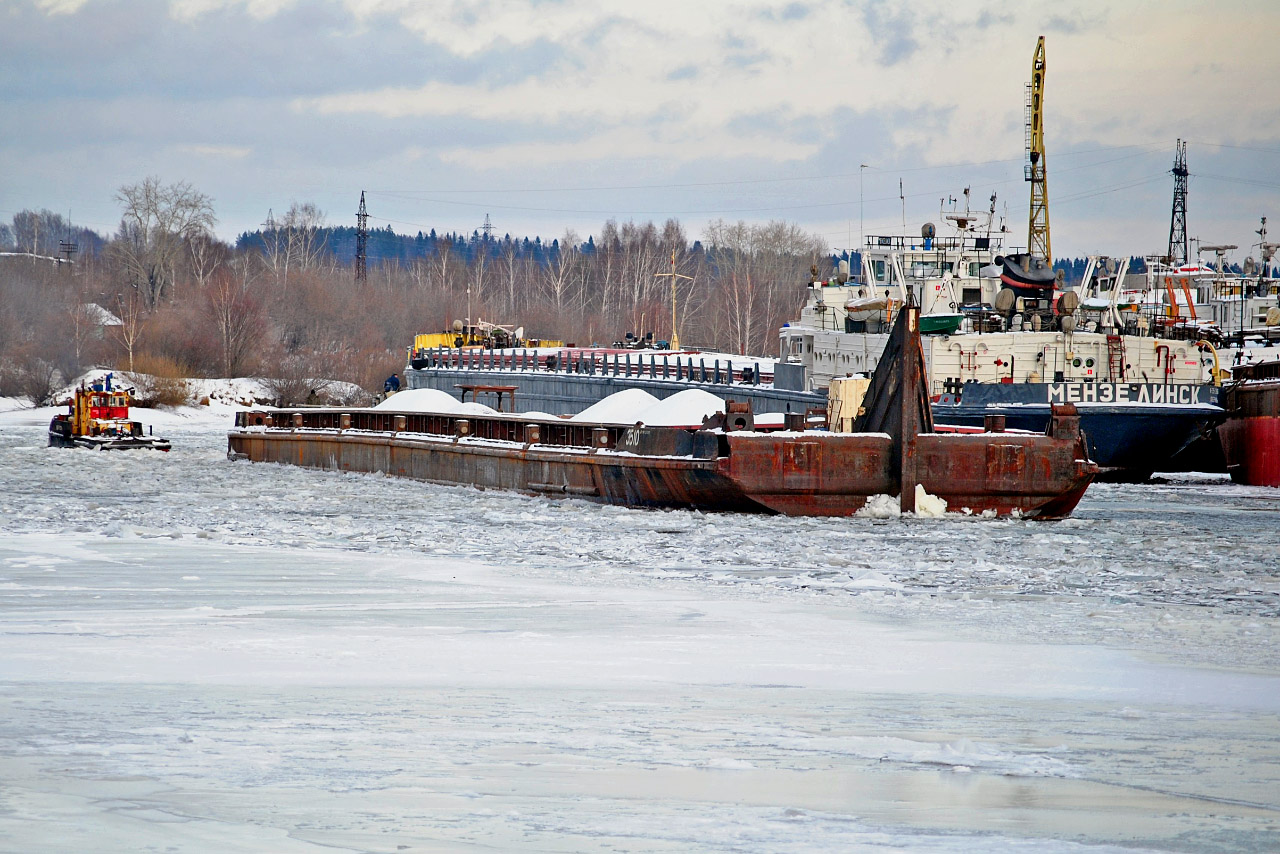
(165, 296)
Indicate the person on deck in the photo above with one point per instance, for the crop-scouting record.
(392, 385)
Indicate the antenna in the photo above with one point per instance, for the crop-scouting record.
(862, 168)
(1177, 254)
(362, 241)
(903, 199)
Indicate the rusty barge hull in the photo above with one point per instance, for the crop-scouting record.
(799, 474)
(1251, 434)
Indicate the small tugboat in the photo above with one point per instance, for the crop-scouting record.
(98, 418)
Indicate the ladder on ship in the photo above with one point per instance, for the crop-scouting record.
(1115, 358)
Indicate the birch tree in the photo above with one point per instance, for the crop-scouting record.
(158, 221)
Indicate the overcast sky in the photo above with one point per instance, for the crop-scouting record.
(551, 115)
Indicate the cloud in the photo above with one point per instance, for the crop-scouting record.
(311, 100)
(60, 7)
(234, 152)
(626, 145)
(891, 28)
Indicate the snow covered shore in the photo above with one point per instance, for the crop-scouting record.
(198, 654)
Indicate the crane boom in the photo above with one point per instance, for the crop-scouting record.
(1036, 170)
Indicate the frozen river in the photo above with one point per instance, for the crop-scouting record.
(201, 655)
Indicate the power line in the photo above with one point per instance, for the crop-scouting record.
(749, 181)
(1240, 147)
(1249, 181)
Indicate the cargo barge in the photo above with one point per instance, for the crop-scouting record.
(566, 380)
(1251, 434)
(726, 465)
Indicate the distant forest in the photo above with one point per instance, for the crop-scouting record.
(385, 245)
(281, 301)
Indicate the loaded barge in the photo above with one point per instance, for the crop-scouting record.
(726, 465)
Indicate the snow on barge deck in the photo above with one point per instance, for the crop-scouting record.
(724, 466)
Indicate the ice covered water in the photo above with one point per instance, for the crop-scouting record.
(200, 654)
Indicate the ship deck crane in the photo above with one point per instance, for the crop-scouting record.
(1035, 170)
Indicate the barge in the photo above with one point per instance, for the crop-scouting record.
(726, 465)
(1251, 434)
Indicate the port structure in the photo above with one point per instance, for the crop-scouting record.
(1035, 170)
(1177, 255)
(362, 241)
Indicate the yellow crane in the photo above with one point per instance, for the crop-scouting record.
(674, 277)
(1035, 169)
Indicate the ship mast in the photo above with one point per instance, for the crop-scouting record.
(1035, 169)
(675, 277)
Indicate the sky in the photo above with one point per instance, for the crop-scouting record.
(848, 118)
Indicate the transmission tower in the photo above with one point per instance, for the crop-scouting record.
(1178, 224)
(487, 228)
(1036, 169)
(70, 247)
(362, 241)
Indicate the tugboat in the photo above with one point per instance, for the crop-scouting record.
(98, 418)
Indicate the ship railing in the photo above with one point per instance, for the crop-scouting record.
(498, 427)
(922, 244)
(691, 368)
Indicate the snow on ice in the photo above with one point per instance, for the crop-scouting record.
(205, 655)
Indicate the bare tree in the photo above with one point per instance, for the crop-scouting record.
(207, 252)
(511, 268)
(83, 320)
(561, 270)
(158, 220)
(238, 316)
(305, 243)
(758, 268)
(275, 247)
(132, 318)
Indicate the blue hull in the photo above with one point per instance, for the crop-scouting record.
(1128, 439)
